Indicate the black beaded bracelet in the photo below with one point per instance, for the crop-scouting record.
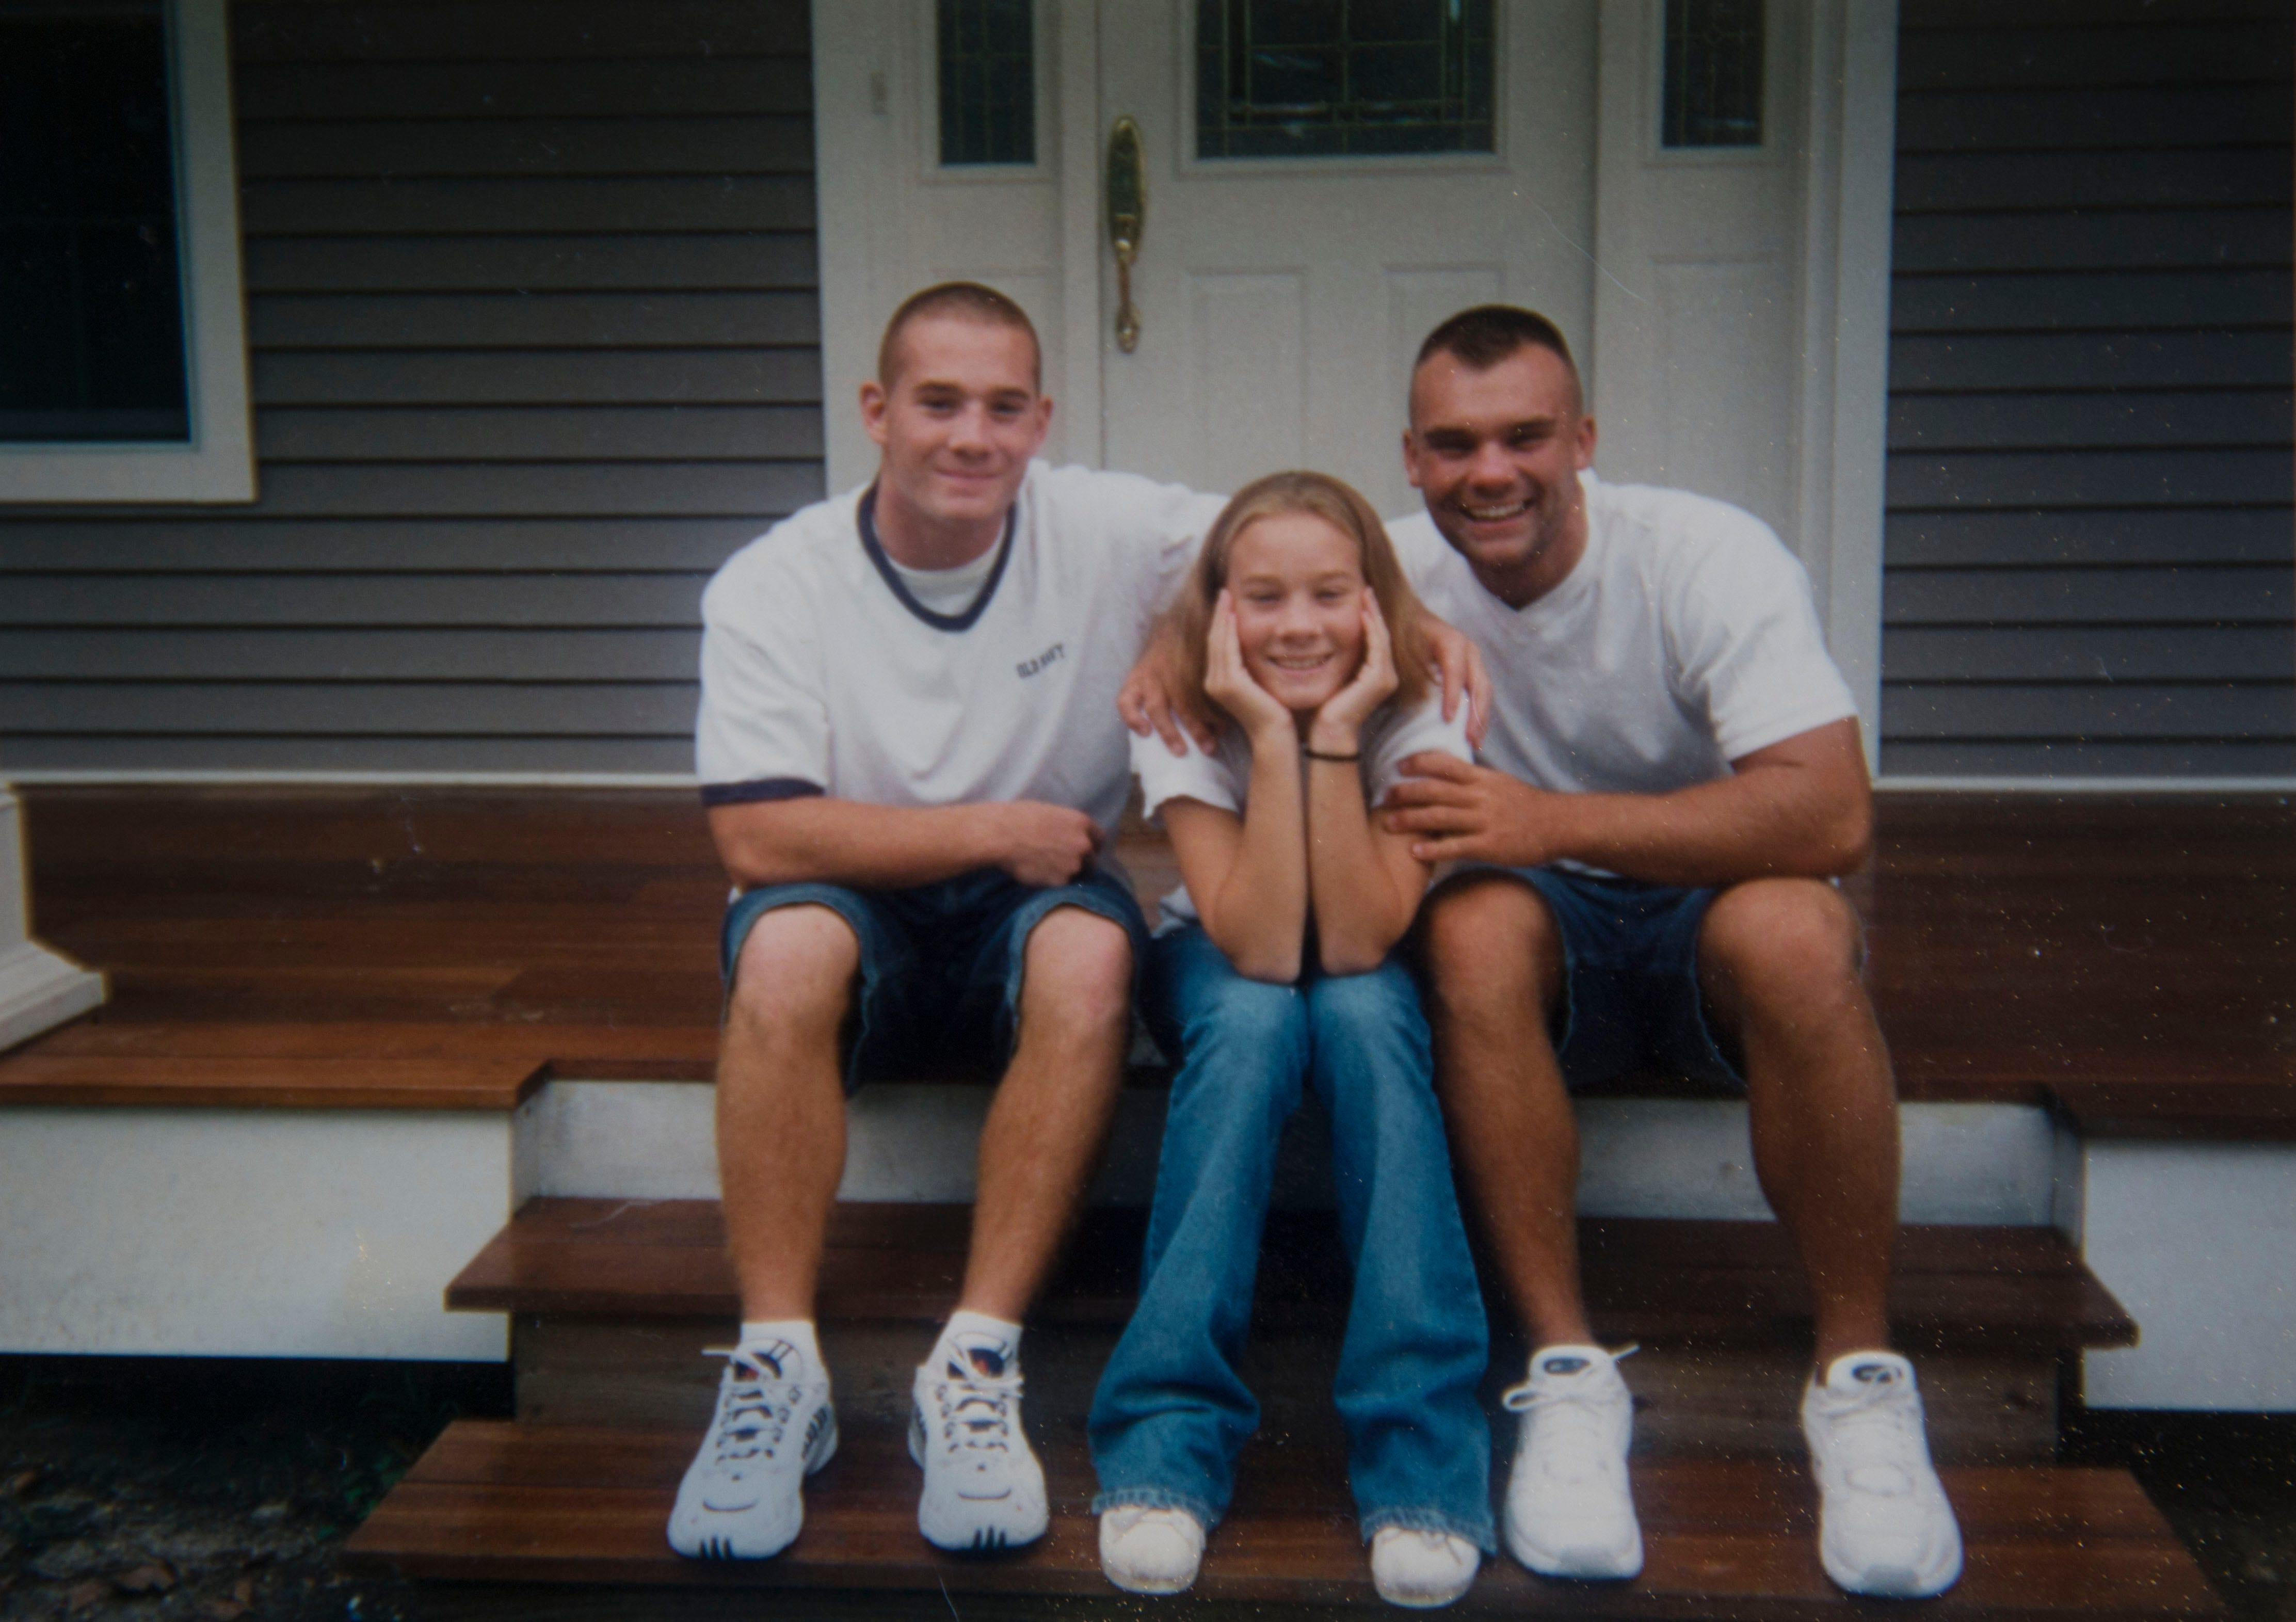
(1319, 755)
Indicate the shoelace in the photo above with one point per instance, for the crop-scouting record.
(1872, 1430)
(979, 1414)
(750, 1422)
(1568, 1411)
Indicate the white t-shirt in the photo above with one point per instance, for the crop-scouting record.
(817, 677)
(1222, 778)
(1684, 639)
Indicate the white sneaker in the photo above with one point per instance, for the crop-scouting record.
(984, 1488)
(1421, 1569)
(1150, 1550)
(1883, 1524)
(1568, 1509)
(740, 1499)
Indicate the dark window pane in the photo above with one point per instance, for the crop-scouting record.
(1713, 73)
(91, 295)
(988, 82)
(1307, 79)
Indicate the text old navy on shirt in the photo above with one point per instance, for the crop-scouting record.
(1029, 666)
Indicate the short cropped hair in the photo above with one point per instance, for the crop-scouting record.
(1480, 337)
(966, 301)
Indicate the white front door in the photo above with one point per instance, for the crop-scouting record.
(1281, 298)
(1734, 333)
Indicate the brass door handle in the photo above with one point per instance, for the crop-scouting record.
(1128, 212)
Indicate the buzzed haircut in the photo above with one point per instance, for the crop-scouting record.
(966, 301)
(1480, 337)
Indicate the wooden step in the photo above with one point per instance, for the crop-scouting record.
(1646, 1278)
(612, 1301)
(179, 1081)
(496, 1500)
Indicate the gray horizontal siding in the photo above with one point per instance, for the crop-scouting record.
(543, 433)
(2157, 117)
(2087, 597)
(2087, 554)
(2011, 709)
(322, 546)
(2095, 239)
(658, 262)
(2049, 757)
(237, 654)
(535, 341)
(2096, 50)
(98, 601)
(464, 148)
(2086, 538)
(2112, 477)
(550, 203)
(298, 31)
(2089, 653)
(2111, 301)
(2250, 418)
(449, 89)
(668, 377)
(537, 321)
(2215, 177)
(525, 709)
(326, 753)
(2022, 361)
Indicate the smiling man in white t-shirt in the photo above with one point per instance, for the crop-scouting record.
(909, 751)
(1673, 776)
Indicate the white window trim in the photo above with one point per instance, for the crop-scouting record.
(218, 464)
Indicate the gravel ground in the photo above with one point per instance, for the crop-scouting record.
(220, 1489)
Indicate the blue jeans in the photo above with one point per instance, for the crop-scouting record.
(941, 964)
(1172, 1413)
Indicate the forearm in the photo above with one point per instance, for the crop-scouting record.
(1257, 912)
(1754, 824)
(1362, 905)
(845, 842)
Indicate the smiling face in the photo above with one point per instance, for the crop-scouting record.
(1497, 454)
(1298, 584)
(956, 425)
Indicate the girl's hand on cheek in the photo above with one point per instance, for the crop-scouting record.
(1339, 724)
(1229, 685)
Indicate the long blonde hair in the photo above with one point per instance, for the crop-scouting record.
(1188, 622)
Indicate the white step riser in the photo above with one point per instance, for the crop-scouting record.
(1964, 1163)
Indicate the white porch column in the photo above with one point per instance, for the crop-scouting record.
(39, 988)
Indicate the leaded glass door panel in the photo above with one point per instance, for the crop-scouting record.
(1325, 180)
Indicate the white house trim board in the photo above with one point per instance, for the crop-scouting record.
(39, 988)
(218, 463)
(1852, 157)
(248, 1232)
(2217, 1337)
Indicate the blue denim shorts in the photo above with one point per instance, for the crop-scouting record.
(940, 965)
(1630, 996)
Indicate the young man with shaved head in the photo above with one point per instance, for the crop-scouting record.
(1673, 777)
(909, 748)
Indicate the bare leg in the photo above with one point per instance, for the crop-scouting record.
(1778, 965)
(1493, 962)
(1052, 1112)
(780, 1103)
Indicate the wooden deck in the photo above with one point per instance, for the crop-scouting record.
(1724, 1537)
(2117, 951)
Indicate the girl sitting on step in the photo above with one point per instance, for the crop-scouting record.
(1275, 969)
